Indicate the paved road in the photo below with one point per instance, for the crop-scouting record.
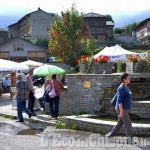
(53, 139)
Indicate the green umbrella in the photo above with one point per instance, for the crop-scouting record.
(47, 70)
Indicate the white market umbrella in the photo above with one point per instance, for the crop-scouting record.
(32, 63)
(117, 53)
(7, 65)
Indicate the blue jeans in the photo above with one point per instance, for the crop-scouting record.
(41, 101)
(6, 88)
(21, 105)
(54, 112)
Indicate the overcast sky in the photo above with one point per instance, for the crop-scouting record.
(18, 8)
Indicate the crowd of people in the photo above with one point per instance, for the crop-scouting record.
(25, 91)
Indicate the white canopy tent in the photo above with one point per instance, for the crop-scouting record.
(7, 65)
(117, 53)
(31, 63)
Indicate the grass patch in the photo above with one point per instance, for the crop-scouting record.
(47, 113)
(80, 113)
(10, 116)
(42, 123)
(61, 125)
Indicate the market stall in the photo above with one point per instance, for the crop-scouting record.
(117, 53)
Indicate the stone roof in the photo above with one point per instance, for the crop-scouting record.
(2, 29)
(109, 23)
(91, 14)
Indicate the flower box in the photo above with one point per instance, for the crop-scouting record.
(81, 67)
(131, 67)
(104, 68)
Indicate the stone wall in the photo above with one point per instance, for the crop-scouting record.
(96, 99)
(103, 127)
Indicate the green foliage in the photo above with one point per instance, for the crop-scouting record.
(60, 125)
(40, 42)
(143, 66)
(109, 18)
(75, 127)
(118, 31)
(97, 50)
(68, 36)
(5, 116)
(120, 67)
(127, 29)
(82, 112)
(90, 46)
(9, 116)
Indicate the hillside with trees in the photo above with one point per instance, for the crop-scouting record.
(127, 30)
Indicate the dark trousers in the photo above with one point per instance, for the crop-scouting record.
(54, 110)
(31, 101)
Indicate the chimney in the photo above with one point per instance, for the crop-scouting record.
(39, 8)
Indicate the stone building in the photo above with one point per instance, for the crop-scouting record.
(100, 28)
(142, 31)
(3, 35)
(32, 26)
(20, 50)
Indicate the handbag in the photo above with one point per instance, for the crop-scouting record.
(46, 95)
(114, 100)
(52, 93)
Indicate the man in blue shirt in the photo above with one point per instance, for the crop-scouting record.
(6, 84)
(123, 106)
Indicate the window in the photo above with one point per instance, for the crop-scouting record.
(18, 47)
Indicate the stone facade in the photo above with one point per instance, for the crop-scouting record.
(35, 25)
(96, 99)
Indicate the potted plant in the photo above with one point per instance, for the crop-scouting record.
(102, 65)
(82, 61)
(132, 66)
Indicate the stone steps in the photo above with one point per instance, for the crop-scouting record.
(141, 109)
(101, 126)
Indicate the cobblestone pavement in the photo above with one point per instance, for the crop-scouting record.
(7, 108)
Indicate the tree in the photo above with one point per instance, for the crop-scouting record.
(129, 28)
(90, 45)
(109, 18)
(68, 35)
(118, 31)
(41, 42)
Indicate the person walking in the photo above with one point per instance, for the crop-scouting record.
(21, 96)
(31, 94)
(57, 86)
(123, 107)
